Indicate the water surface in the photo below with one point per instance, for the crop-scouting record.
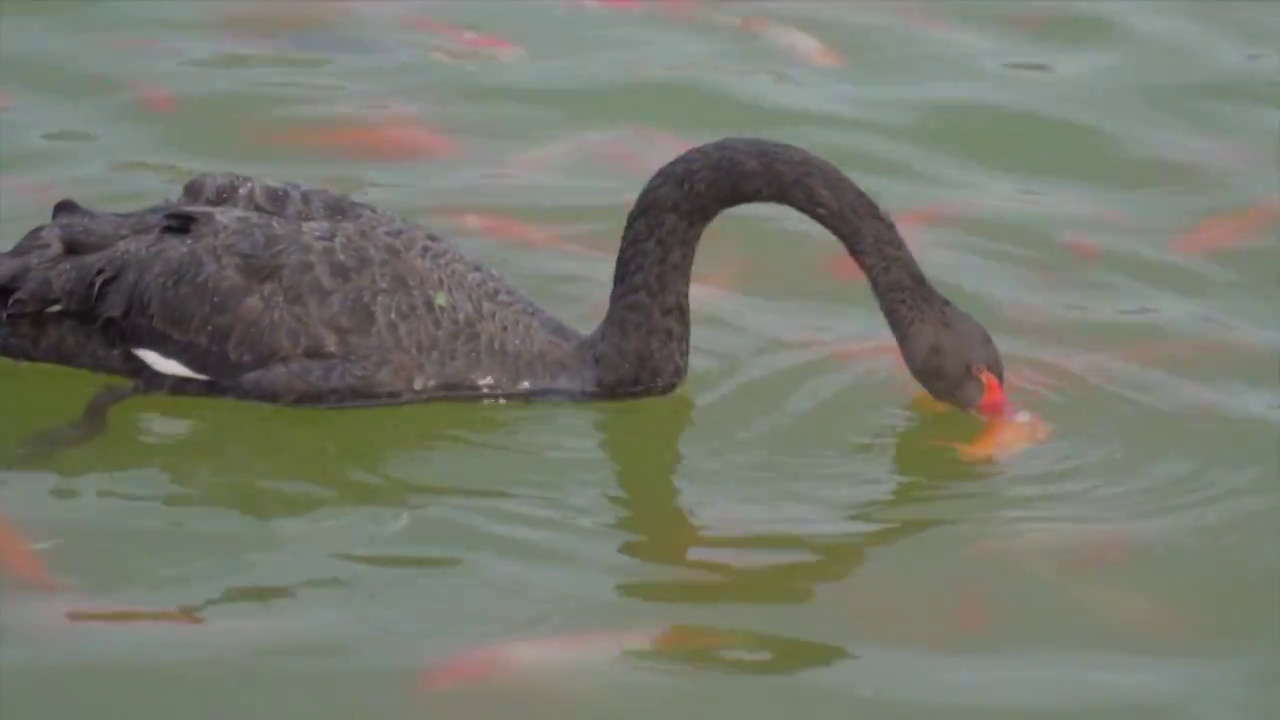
(785, 493)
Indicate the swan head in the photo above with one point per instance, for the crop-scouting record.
(957, 362)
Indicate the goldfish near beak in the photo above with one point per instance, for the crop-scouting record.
(993, 400)
(1002, 437)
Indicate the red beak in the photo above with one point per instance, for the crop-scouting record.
(993, 400)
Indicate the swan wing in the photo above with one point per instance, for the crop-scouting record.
(219, 294)
(284, 200)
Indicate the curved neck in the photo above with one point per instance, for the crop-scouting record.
(642, 345)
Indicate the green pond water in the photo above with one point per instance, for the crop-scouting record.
(787, 496)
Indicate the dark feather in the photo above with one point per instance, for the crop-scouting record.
(274, 293)
(283, 294)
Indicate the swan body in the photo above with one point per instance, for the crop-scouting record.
(283, 294)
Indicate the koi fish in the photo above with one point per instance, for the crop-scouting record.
(514, 229)
(155, 99)
(630, 159)
(14, 189)
(641, 160)
(469, 42)
(1107, 549)
(491, 662)
(637, 148)
(1076, 547)
(19, 560)
(793, 40)
(1229, 230)
(972, 614)
(1004, 436)
(913, 14)
(386, 140)
(1081, 246)
(1118, 605)
(723, 278)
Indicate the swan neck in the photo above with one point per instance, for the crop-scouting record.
(643, 342)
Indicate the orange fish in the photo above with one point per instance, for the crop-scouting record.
(388, 140)
(1033, 19)
(491, 662)
(637, 149)
(509, 228)
(972, 612)
(154, 99)
(1081, 246)
(1076, 547)
(671, 143)
(628, 158)
(18, 560)
(470, 41)
(1229, 230)
(1106, 549)
(724, 277)
(1115, 604)
(913, 14)
(654, 147)
(1004, 436)
(842, 267)
(795, 41)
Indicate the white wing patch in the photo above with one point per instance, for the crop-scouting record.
(166, 365)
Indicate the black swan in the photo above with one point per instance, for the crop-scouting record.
(276, 293)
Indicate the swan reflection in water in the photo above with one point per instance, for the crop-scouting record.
(262, 478)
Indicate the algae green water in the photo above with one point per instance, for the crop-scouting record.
(1126, 568)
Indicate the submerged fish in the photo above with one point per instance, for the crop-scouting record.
(1227, 230)
(392, 139)
(491, 662)
(468, 43)
(513, 229)
(793, 40)
(18, 560)
(1004, 436)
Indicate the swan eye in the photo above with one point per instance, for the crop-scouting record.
(978, 370)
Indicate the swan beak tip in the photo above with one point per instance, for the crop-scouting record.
(994, 401)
